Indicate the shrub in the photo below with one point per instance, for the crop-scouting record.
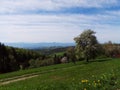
(39, 63)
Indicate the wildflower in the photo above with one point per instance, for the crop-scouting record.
(84, 81)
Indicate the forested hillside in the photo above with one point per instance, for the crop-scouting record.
(12, 59)
(87, 48)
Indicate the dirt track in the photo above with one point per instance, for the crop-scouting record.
(27, 76)
(15, 80)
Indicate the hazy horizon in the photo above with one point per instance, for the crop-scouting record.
(35, 21)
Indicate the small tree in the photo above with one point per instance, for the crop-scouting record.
(86, 45)
(71, 54)
(111, 49)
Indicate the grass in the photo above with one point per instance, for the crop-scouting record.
(36, 70)
(60, 53)
(97, 75)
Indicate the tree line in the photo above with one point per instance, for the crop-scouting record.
(12, 58)
(87, 48)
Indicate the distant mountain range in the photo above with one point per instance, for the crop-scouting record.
(38, 45)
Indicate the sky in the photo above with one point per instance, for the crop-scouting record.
(58, 20)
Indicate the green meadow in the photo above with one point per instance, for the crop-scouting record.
(101, 74)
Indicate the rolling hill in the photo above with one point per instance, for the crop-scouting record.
(39, 45)
(102, 74)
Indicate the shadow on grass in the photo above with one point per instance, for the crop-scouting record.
(98, 60)
(103, 60)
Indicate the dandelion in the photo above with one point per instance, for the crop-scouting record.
(84, 81)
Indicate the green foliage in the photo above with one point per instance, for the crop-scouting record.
(51, 50)
(87, 45)
(71, 54)
(32, 63)
(39, 63)
(106, 81)
(92, 76)
(7, 60)
(12, 58)
(111, 49)
(35, 70)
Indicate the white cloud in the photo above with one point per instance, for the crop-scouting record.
(115, 13)
(35, 28)
(21, 6)
(56, 28)
(16, 26)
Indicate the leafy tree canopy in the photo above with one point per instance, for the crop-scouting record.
(86, 45)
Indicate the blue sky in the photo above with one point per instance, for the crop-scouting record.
(58, 20)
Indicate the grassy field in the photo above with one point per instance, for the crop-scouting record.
(97, 75)
(36, 70)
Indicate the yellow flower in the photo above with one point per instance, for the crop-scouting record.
(84, 81)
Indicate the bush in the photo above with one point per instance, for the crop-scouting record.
(39, 63)
(32, 63)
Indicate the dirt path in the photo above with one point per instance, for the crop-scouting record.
(28, 76)
(19, 79)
